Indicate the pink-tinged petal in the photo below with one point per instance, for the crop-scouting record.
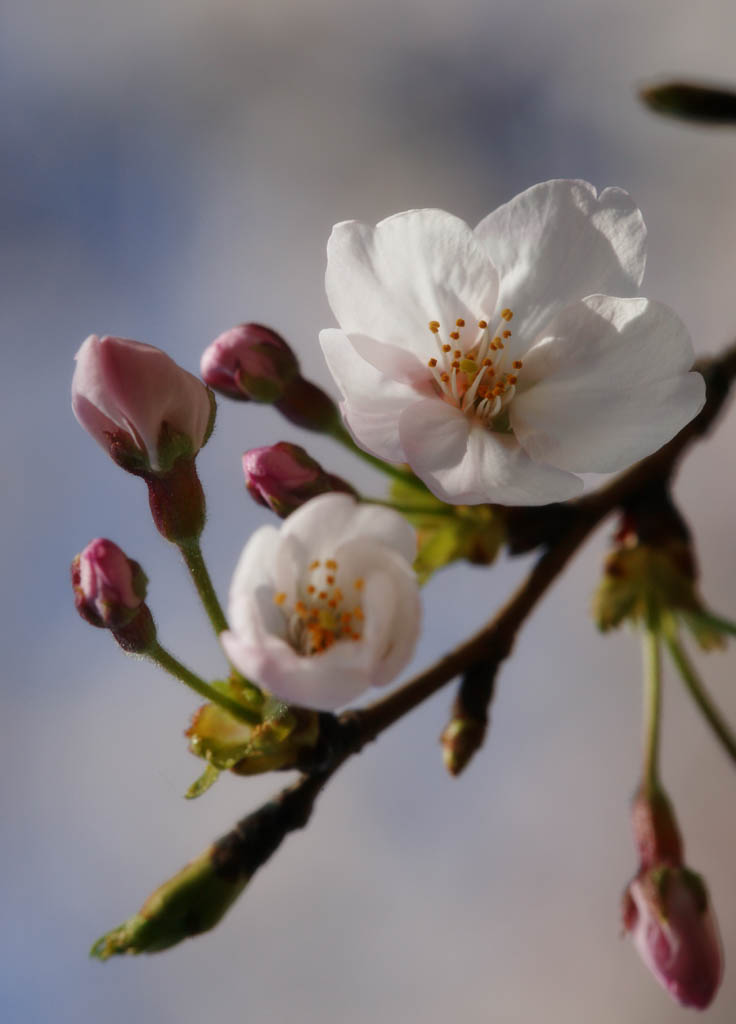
(389, 281)
(558, 242)
(325, 681)
(373, 401)
(675, 933)
(392, 621)
(608, 386)
(394, 362)
(467, 464)
(137, 388)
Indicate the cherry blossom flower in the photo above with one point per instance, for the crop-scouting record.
(327, 605)
(137, 402)
(491, 360)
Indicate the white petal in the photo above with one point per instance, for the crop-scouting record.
(373, 401)
(389, 281)
(325, 681)
(608, 386)
(558, 242)
(254, 569)
(392, 619)
(329, 521)
(467, 464)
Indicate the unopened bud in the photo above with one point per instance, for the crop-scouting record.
(283, 476)
(667, 913)
(191, 902)
(249, 362)
(135, 401)
(109, 587)
(692, 102)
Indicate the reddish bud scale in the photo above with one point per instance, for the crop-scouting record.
(308, 406)
(177, 502)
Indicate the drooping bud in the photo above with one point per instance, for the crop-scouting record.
(665, 907)
(135, 401)
(249, 362)
(109, 587)
(667, 913)
(283, 476)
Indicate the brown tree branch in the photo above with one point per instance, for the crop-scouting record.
(560, 530)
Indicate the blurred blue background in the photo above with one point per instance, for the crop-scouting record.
(171, 168)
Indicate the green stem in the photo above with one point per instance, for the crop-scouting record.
(339, 433)
(652, 709)
(697, 691)
(192, 554)
(714, 621)
(170, 664)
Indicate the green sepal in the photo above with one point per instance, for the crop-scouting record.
(275, 743)
(449, 533)
(205, 781)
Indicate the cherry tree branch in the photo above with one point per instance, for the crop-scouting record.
(559, 530)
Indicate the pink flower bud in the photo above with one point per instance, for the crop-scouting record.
(249, 361)
(138, 404)
(283, 476)
(667, 914)
(109, 588)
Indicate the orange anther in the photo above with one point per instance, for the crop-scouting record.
(454, 335)
(482, 324)
(517, 364)
(459, 322)
(446, 348)
(279, 598)
(507, 334)
(432, 363)
(434, 326)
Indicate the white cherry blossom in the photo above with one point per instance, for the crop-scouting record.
(497, 361)
(327, 605)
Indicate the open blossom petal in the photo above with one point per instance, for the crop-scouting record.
(372, 401)
(558, 242)
(608, 385)
(467, 464)
(500, 392)
(382, 281)
(326, 606)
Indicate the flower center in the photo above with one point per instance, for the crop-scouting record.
(322, 613)
(471, 374)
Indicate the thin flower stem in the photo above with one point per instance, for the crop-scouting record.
(714, 621)
(170, 664)
(339, 433)
(698, 692)
(652, 708)
(192, 554)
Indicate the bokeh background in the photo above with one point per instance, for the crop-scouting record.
(171, 168)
